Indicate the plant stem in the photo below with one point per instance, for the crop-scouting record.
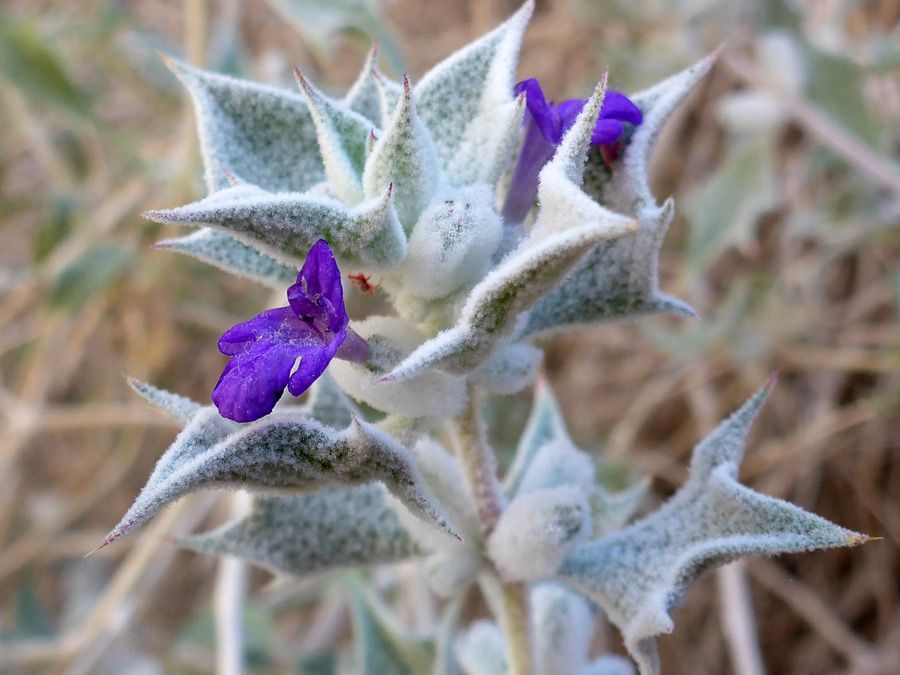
(478, 463)
(509, 602)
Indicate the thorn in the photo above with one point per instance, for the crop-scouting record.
(231, 178)
(857, 539)
(105, 543)
(372, 135)
(458, 538)
(166, 59)
(770, 383)
(374, 49)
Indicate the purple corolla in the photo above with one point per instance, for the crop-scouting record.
(312, 328)
(545, 126)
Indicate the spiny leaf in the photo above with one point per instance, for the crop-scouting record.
(495, 305)
(462, 98)
(537, 531)
(286, 225)
(363, 97)
(546, 424)
(342, 137)
(404, 156)
(637, 574)
(288, 454)
(231, 255)
(563, 627)
(263, 134)
(333, 528)
(179, 408)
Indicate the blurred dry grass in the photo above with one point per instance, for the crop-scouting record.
(805, 284)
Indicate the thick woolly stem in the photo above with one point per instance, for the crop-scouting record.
(478, 462)
(509, 602)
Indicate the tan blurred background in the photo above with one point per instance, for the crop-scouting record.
(784, 167)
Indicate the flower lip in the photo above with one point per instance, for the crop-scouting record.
(266, 349)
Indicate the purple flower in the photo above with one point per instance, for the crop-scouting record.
(545, 126)
(263, 351)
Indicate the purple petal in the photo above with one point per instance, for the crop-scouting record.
(606, 131)
(617, 106)
(543, 114)
(275, 325)
(321, 274)
(536, 151)
(568, 111)
(313, 363)
(254, 380)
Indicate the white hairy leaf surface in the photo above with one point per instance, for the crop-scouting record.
(342, 135)
(282, 454)
(511, 368)
(558, 463)
(537, 531)
(231, 255)
(390, 339)
(637, 574)
(334, 528)
(480, 649)
(612, 510)
(179, 408)
(287, 224)
(404, 155)
(451, 573)
(363, 97)
(563, 626)
(453, 242)
(446, 482)
(494, 306)
(546, 424)
(329, 405)
(263, 134)
(620, 278)
(462, 99)
(384, 646)
(563, 204)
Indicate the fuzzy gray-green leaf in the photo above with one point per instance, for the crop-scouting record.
(231, 255)
(288, 454)
(263, 134)
(333, 528)
(637, 574)
(462, 98)
(287, 224)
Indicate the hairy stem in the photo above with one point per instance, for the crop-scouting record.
(478, 463)
(509, 602)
